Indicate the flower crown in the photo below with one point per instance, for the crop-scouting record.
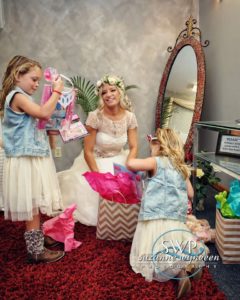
(112, 80)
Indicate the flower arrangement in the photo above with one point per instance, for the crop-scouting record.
(205, 176)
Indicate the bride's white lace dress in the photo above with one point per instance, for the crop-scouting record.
(111, 139)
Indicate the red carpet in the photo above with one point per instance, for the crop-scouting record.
(96, 270)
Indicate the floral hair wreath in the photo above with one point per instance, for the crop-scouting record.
(112, 80)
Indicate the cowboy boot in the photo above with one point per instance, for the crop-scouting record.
(50, 242)
(184, 284)
(36, 251)
(195, 272)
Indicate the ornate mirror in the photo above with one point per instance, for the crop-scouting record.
(181, 91)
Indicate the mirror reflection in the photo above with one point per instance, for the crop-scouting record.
(181, 91)
(180, 94)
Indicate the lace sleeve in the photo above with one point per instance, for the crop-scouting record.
(132, 121)
(92, 120)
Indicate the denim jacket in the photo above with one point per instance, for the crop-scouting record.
(21, 137)
(166, 194)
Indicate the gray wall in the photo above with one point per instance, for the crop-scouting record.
(94, 37)
(220, 22)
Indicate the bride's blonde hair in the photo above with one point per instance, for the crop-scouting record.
(171, 146)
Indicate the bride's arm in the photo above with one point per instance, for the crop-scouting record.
(132, 143)
(89, 143)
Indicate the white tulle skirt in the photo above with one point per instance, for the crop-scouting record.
(75, 188)
(30, 184)
(152, 237)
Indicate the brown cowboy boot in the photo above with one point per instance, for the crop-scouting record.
(36, 251)
(184, 284)
(50, 242)
(47, 256)
(195, 272)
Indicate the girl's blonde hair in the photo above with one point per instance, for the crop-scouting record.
(18, 65)
(171, 146)
(118, 82)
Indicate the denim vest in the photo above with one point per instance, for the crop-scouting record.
(166, 194)
(21, 137)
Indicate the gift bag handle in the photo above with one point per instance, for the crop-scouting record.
(67, 89)
(50, 73)
(121, 195)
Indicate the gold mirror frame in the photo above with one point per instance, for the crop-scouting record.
(190, 36)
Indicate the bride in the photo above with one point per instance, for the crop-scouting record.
(111, 127)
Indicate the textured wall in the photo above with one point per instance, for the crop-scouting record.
(222, 59)
(223, 67)
(94, 37)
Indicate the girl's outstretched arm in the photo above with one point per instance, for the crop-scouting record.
(145, 164)
(21, 103)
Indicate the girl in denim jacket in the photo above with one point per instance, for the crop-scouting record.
(30, 183)
(163, 248)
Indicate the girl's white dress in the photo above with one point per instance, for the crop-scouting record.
(30, 184)
(111, 139)
(149, 238)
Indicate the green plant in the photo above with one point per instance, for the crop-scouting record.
(86, 96)
(205, 176)
(167, 111)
